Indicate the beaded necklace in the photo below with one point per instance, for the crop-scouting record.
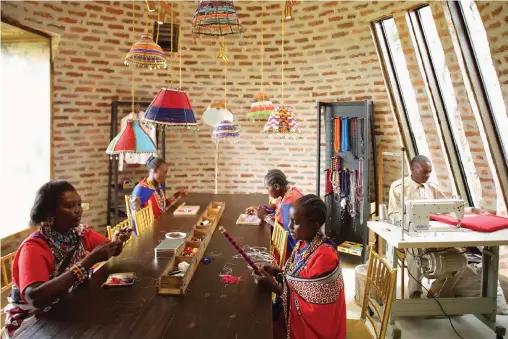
(352, 196)
(336, 140)
(297, 259)
(160, 197)
(335, 176)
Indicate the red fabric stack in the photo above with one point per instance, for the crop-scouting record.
(475, 222)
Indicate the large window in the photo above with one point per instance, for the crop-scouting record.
(449, 112)
(402, 88)
(484, 90)
(25, 123)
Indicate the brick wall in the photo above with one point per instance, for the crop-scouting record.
(330, 56)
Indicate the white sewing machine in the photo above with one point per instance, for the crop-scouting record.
(417, 214)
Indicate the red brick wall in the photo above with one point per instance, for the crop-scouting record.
(330, 56)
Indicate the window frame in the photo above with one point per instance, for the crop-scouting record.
(393, 85)
(437, 101)
(477, 80)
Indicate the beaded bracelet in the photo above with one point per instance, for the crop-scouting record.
(79, 277)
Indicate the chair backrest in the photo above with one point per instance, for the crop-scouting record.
(379, 288)
(279, 242)
(144, 218)
(128, 209)
(119, 226)
(7, 271)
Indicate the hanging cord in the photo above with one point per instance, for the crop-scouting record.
(171, 50)
(345, 135)
(359, 189)
(282, 58)
(158, 26)
(336, 137)
(225, 72)
(133, 42)
(180, 47)
(262, 49)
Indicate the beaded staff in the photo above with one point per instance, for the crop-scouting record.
(238, 248)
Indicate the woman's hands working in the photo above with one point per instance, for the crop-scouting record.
(265, 278)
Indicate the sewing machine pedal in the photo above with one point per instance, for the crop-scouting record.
(500, 332)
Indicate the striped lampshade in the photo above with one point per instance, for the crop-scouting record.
(261, 107)
(216, 18)
(171, 108)
(282, 121)
(145, 53)
(225, 131)
(133, 139)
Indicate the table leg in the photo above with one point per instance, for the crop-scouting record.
(490, 276)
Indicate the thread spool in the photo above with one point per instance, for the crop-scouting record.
(183, 266)
(204, 222)
(382, 212)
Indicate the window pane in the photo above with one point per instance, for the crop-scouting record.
(406, 87)
(450, 101)
(24, 128)
(482, 51)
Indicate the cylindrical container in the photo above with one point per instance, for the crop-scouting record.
(360, 277)
(383, 214)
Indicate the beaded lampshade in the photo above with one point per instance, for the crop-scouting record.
(133, 139)
(282, 121)
(216, 18)
(261, 107)
(215, 113)
(171, 108)
(225, 131)
(145, 53)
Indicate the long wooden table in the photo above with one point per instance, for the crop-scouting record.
(209, 310)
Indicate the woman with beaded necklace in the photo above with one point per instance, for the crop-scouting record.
(283, 195)
(57, 258)
(310, 286)
(153, 188)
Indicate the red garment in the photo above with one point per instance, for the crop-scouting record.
(475, 222)
(34, 260)
(318, 321)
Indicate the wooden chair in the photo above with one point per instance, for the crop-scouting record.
(7, 271)
(128, 209)
(123, 224)
(379, 288)
(144, 218)
(279, 243)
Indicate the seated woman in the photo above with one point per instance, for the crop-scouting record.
(57, 258)
(284, 195)
(311, 283)
(153, 188)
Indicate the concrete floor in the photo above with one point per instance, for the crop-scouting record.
(424, 328)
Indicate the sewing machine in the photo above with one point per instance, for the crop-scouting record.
(417, 213)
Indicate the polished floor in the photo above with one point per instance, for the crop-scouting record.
(424, 328)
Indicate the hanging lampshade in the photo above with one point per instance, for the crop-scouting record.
(215, 113)
(261, 107)
(282, 121)
(216, 18)
(225, 131)
(133, 139)
(145, 53)
(171, 108)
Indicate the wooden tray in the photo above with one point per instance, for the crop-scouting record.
(177, 285)
(241, 221)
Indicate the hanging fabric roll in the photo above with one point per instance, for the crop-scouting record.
(359, 189)
(345, 135)
(337, 134)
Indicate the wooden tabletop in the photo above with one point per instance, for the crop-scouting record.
(209, 310)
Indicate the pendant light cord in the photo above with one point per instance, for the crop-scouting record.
(171, 51)
(133, 42)
(282, 59)
(225, 72)
(262, 48)
(180, 47)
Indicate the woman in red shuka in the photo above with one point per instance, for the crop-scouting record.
(310, 285)
(55, 259)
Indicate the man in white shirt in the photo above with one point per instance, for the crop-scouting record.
(416, 186)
